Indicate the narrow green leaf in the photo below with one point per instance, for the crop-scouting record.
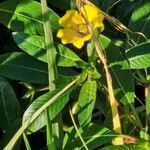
(8, 104)
(139, 56)
(25, 16)
(120, 71)
(94, 135)
(23, 67)
(87, 98)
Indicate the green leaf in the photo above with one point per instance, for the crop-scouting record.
(140, 22)
(68, 58)
(35, 46)
(94, 136)
(87, 98)
(9, 105)
(53, 110)
(25, 16)
(123, 82)
(31, 44)
(20, 66)
(139, 56)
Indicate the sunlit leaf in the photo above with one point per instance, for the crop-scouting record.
(35, 46)
(31, 44)
(87, 98)
(53, 110)
(68, 58)
(25, 16)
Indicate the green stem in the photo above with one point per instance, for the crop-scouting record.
(50, 142)
(27, 144)
(52, 72)
(78, 132)
(49, 44)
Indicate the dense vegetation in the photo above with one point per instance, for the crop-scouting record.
(74, 74)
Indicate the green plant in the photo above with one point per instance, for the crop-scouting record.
(91, 89)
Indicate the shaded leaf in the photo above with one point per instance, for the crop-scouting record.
(9, 133)
(23, 67)
(87, 98)
(140, 22)
(9, 105)
(64, 5)
(25, 16)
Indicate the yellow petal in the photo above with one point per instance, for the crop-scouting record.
(90, 12)
(71, 18)
(97, 22)
(67, 35)
(80, 42)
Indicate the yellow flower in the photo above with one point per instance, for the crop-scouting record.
(74, 25)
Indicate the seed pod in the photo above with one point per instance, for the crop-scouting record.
(75, 108)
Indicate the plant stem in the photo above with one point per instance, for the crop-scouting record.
(76, 128)
(49, 44)
(50, 141)
(27, 144)
(52, 72)
(112, 101)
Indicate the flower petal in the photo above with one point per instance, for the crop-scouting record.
(71, 18)
(67, 35)
(90, 12)
(97, 22)
(75, 30)
(80, 42)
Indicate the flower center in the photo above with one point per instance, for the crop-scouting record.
(83, 28)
